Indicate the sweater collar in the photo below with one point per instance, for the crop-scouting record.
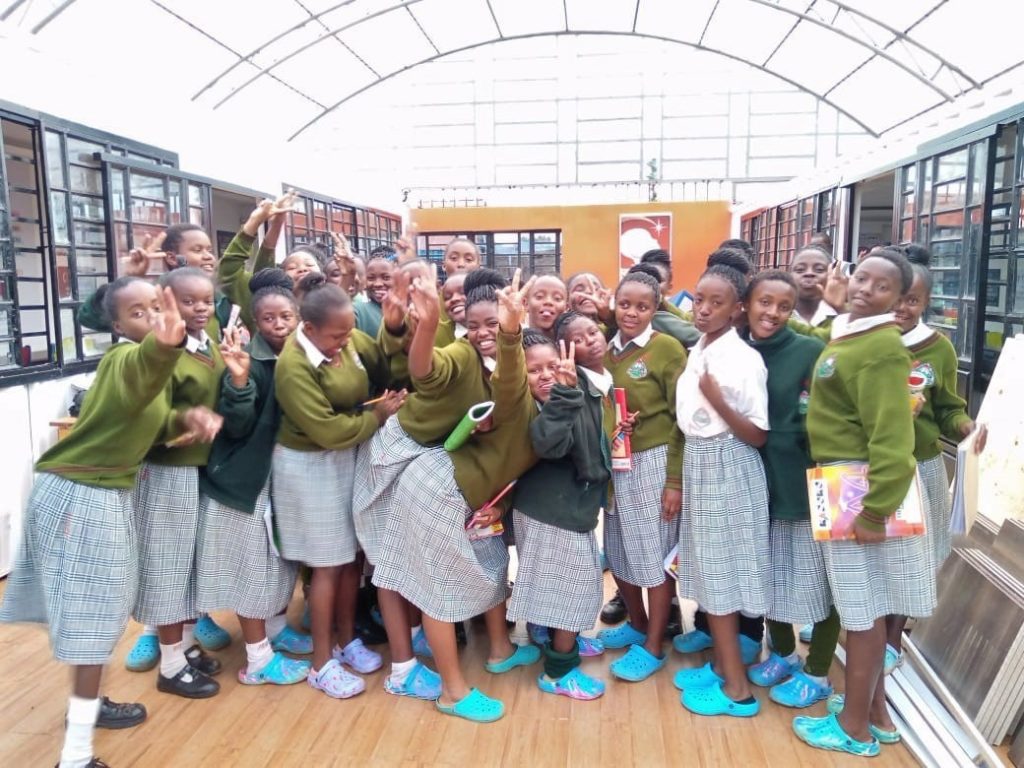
(259, 349)
(844, 326)
(775, 341)
(193, 345)
(917, 334)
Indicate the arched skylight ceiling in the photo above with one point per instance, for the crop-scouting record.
(880, 63)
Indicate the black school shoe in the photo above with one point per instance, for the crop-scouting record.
(114, 716)
(614, 611)
(190, 683)
(94, 763)
(197, 658)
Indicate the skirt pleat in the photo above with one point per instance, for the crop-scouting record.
(938, 508)
(800, 593)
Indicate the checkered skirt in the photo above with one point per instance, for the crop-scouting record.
(381, 462)
(938, 508)
(76, 569)
(724, 548)
(166, 502)
(636, 539)
(237, 567)
(425, 554)
(312, 496)
(870, 581)
(800, 593)
(559, 583)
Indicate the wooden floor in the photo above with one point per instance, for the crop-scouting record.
(639, 724)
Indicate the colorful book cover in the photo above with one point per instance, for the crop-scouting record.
(622, 453)
(671, 562)
(836, 494)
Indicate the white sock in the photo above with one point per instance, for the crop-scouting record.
(172, 659)
(148, 629)
(258, 655)
(188, 634)
(823, 680)
(401, 669)
(415, 630)
(82, 714)
(276, 625)
(793, 658)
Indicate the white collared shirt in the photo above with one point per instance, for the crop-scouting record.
(821, 314)
(602, 381)
(315, 356)
(193, 345)
(460, 331)
(489, 363)
(844, 326)
(741, 375)
(917, 334)
(640, 339)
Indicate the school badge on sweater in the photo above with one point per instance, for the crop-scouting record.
(826, 368)
(637, 370)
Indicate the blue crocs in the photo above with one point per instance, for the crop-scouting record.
(621, 636)
(827, 733)
(893, 659)
(835, 703)
(835, 706)
(801, 690)
(711, 701)
(574, 684)
(144, 655)
(420, 646)
(421, 683)
(589, 646)
(806, 632)
(750, 649)
(692, 642)
(700, 677)
(772, 670)
(522, 656)
(280, 670)
(636, 664)
(475, 707)
(292, 641)
(211, 636)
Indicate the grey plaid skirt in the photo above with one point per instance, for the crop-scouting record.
(724, 549)
(559, 583)
(636, 539)
(426, 555)
(166, 502)
(312, 496)
(76, 569)
(380, 464)
(238, 569)
(938, 508)
(800, 593)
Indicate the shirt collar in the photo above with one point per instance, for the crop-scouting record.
(844, 326)
(460, 330)
(640, 339)
(489, 363)
(917, 334)
(193, 345)
(602, 381)
(821, 314)
(315, 356)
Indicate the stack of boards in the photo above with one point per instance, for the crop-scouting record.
(975, 639)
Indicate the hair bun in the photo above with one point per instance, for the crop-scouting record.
(270, 277)
(646, 268)
(917, 254)
(731, 257)
(311, 282)
(483, 276)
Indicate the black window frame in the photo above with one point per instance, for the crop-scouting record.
(488, 247)
(364, 227)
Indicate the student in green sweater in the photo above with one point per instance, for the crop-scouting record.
(587, 295)
(724, 555)
(453, 326)
(810, 267)
(166, 502)
(427, 554)
(939, 412)
(557, 503)
(238, 565)
(800, 593)
(860, 411)
(643, 527)
(77, 565)
(324, 378)
(380, 274)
